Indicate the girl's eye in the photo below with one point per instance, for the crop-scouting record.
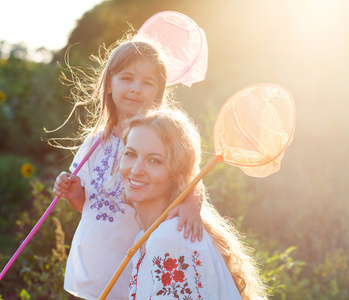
(149, 83)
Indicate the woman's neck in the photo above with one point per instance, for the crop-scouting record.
(148, 214)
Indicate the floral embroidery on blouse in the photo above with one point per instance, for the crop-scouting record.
(172, 274)
(133, 280)
(197, 263)
(107, 203)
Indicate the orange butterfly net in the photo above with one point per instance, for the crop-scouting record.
(254, 127)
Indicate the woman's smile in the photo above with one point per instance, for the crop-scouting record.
(143, 168)
(136, 184)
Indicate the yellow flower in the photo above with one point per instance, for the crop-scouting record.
(2, 97)
(27, 170)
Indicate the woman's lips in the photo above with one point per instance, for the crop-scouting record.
(136, 184)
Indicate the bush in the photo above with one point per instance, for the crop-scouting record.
(15, 173)
(31, 99)
(39, 269)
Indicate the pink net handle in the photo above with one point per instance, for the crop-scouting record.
(254, 127)
(182, 43)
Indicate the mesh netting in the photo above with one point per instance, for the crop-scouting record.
(254, 127)
(183, 44)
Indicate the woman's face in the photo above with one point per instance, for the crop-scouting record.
(134, 87)
(145, 175)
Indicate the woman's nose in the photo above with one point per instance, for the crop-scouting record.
(138, 167)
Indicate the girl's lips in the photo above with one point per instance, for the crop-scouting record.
(136, 184)
(133, 100)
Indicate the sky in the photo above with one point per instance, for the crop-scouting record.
(41, 23)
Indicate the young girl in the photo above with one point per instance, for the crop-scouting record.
(161, 156)
(134, 78)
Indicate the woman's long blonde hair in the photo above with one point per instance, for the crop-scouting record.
(182, 141)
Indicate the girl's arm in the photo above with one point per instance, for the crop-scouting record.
(189, 213)
(69, 187)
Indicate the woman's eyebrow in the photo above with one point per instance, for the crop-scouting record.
(157, 154)
(129, 148)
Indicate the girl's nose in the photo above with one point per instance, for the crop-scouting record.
(135, 87)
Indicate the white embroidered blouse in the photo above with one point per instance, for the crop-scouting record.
(176, 268)
(107, 227)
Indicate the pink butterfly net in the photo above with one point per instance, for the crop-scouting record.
(182, 43)
(254, 127)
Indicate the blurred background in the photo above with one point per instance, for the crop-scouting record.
(297, 219)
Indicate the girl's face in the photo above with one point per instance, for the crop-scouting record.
(145, 175)
(136, 86)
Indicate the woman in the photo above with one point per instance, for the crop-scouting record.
(160, 157)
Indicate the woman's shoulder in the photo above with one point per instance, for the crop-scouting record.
(167, 229)
(166, 236)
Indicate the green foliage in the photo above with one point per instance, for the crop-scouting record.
(39, 269)
(14, 195)
(24, 295)
(33, 100)
(331, 277)
(14, 187)
(280, 272)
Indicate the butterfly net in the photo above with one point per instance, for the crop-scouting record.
(182, 43)
(254, 127)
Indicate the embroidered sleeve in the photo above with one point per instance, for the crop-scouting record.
(176, 269)
(132, 288)
(177, 277)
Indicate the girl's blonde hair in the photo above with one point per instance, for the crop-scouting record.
(89, 88)
(182, 141)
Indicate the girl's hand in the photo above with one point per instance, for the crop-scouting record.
(69, 187)
(189, 215)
